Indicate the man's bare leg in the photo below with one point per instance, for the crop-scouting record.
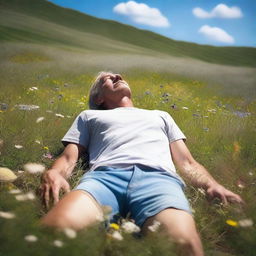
(77, 210)
(180, 228)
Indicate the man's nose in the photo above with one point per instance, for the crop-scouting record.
(118, 77)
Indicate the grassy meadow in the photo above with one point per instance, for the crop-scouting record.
(220, 131)
(47, 64)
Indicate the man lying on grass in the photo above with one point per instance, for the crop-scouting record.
(132, 153)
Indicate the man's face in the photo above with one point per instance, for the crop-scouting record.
(113, 88)
(113, 82)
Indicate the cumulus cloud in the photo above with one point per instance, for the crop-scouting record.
(219, 11)
(216, 34)
(142, 14)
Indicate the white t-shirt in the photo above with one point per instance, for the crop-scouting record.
(126, 136)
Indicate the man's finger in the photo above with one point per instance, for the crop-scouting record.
(55, 193)
(47, 195)
(41, 190)
(66, 188)
(236, 199)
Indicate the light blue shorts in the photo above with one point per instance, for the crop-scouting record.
(137, 191)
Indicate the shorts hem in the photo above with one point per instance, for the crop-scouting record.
(141, 223)
(95, 200)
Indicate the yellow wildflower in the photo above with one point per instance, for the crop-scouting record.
(46, 148)
(114, 226)
(232, 223)
(237, 147)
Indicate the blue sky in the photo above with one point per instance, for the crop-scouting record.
(212, 22)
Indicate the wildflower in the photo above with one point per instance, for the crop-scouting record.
(39, 119)
(30, 196)
(237, 147)
(59, 115)
(114, 226)
(212, 110)
(60, 96)
(165, 95)
(34, 168)
(3, 106)
(57, 243)
(70, 233)
(7, 215)
(117, 235)
(7, 175)
(240, 184)
(184, 108)
(18, 146)
(15, 191)
(48, 156)
(45, 148)
(26, 107)
(33, 88)
(174, 106)
(25, 197)
(232, 223)
(37, 141)
(250, 173)
(155, 226)
(245, 223)
(31, 238)
(241, 114)
(130, 227)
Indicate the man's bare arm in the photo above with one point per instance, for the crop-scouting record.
(55, 178)
(198, 175)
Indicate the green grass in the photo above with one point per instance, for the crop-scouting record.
(214, 147)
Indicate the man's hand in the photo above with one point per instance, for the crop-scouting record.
(217, 190)
(198, 175)
(55, 179)
(52, 183)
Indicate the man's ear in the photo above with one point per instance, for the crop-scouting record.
(99, 100)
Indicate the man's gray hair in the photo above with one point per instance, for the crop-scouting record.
(95, 91)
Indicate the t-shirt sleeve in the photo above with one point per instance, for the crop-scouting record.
(78, 132)
(173, 131)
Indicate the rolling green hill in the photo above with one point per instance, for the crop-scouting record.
(39, 21)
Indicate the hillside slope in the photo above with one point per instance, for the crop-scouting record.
(99, 32)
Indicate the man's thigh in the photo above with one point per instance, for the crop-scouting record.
(78, 209)
(173, 221)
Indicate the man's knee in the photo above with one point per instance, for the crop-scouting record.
(77, 210)
(62, 220)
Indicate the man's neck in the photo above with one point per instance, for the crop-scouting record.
(124, 102)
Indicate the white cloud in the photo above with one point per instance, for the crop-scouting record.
(142, 14)
(219, 11)
(216, 34)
